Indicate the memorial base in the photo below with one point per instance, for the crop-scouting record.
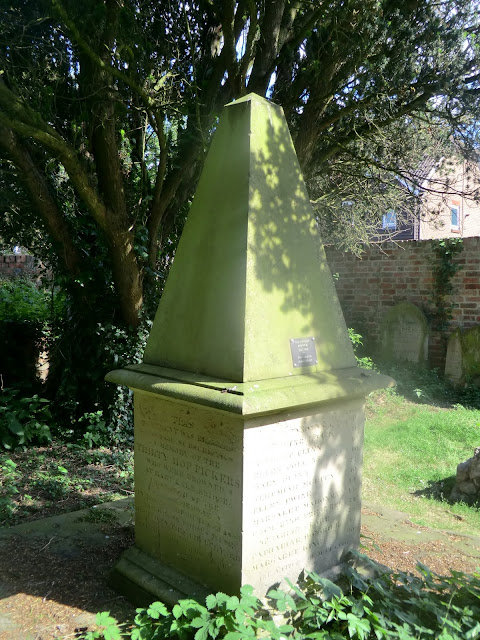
(143, 580)
(230, 492)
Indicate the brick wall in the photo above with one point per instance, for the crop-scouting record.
(392, 272)
(17, 265)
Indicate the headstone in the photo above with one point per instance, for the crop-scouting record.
(405, 334)
(463, 356)
(454, 358)
(248, 405)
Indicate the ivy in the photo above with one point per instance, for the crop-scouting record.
(444, 268)
(386, 607)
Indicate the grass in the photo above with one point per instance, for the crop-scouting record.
(410, 458)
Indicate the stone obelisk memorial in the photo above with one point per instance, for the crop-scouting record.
(248, 407)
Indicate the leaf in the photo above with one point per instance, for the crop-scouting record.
(157, 609)
(329, 588)
(15, 426)
(232, 603)
(112, 633)
(294, 588)
(211, 601)
(104, 619)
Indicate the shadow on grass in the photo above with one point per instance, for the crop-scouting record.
(441, 490)
(437, 489)
(429, 387)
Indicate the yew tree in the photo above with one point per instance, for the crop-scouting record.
(107, 108)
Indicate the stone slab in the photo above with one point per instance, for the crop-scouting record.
(463, 356)
(454, 358)
(301, 493)
(405, 334)
(188, 498)
(251, 398)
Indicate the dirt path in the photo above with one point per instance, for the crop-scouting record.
(53, 572)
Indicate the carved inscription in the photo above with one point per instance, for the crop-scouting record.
(407, 339)
(302, 493)
(187, 486)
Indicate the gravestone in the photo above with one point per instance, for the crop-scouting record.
(454, 358)
(463, 356)
(248, 405)
(405, 334)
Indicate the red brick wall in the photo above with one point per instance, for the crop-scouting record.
(392, 272)
(17, 265)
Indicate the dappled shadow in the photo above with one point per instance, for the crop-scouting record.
(336, 434)
(440, 490)
(55, 560)
(250, 273)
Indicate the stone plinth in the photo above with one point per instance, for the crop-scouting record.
(228, 493)
(405, 334)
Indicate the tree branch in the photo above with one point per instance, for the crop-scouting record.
(29, 124)
(42, 200)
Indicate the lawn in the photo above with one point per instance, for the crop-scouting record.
(411, 454)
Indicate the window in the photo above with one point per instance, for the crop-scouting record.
(389, 220)
(455, 216)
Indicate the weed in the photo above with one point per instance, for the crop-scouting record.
(61, 478)
(23, 420)
(9, 481)
(446, 607)
(98, 515)
(365, 362)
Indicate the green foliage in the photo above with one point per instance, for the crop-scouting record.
(444, 267)
(86, 349)
(22, 301)
(9, 478)
(96, 433)
(28, 315)
(398, 606)
(365, 362)
(23, 421)
(33, 479)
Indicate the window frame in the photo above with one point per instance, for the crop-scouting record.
(455, 209)
(389, 225)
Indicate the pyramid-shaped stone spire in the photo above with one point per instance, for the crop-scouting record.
(250, 279)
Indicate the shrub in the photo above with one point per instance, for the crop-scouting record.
(26, 313)
(24, 420)
(365, 362)
(389, 606)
